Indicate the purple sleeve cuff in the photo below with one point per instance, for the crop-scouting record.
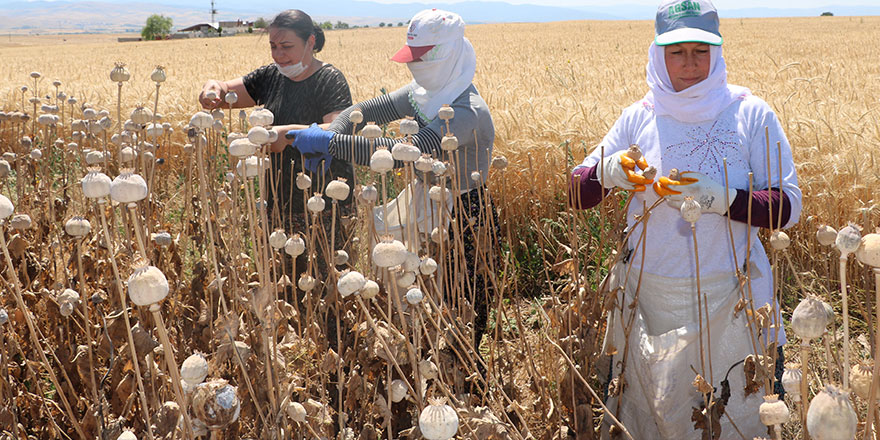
(763, 202)
(585, 191)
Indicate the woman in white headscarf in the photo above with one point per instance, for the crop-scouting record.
(690, 119)
(443, 63)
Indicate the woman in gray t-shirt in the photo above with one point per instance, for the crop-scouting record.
(443, 63)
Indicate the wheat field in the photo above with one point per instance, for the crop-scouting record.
(554, 89)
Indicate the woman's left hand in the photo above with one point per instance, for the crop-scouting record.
(710, 194)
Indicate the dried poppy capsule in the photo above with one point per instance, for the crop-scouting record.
(791, 381)
(831, 415)
(371, 131)
(261, 117)
(446, 112)
(158, 75)
(295, 246)
(409, 126)
(194, 369)
(303, 181)
(200, 120)
(231, 97)
(860, 376)
(848, 239)
(773, 412)
(690, 210)
(141, 115)
(216, 403)
(350, 282)
(869, 250)
(414, 296)
(128, 187)
(405, 152)
(369, 193)
(809, 318)
(277, 239)
(67, 301)
(316, 203)
(356, 116)
(242, 148)
(381, 161)
(96, 184)
(370, 290)
(147, 285)
(258, 135)
(499, 162)
(77, 226)
(449, 142)
(438, 421)
(306, 282)
(119, 73)
(388, 252)
(337, 189)
(779, 240)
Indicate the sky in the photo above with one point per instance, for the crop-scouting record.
(720, 4)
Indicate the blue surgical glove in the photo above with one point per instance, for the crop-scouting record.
(312, 140)
(313, 163)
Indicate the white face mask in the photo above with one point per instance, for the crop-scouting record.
(294, 70)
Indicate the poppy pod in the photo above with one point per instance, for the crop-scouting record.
(831, 415)
(200, 120)
(231, 97)
(371, 131)
(382, 160)
(350, 282)
(295, 246)
(303, 181)
(147, 285)
(438, 421)
(356, 116)
(338, 189)
(409, 126)
(216, 403)
(370, 289)
(194, 369)
(96, 184)
(128, 187)
(389, 252)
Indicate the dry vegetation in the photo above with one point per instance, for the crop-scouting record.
(554, 90)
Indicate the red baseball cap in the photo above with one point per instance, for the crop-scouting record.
(427, 29)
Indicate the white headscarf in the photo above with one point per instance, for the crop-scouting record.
(441, 75)
(703, 101)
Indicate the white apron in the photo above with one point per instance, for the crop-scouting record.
(664, 343)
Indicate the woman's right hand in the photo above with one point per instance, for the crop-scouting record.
(618, 170)
(213, 102)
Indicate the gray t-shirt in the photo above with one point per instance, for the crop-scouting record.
(472, 125)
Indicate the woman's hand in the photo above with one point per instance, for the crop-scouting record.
(710, 194)
(618, 170)
(212, 86)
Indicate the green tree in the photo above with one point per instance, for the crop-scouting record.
(326, 25)
(399, 23)
(260, 23)
(341, 25)
(827, 14)
(157, 27)
(382, 24)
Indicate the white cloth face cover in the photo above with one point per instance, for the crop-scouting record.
(700, 102)
(294, 70)
(442, 74)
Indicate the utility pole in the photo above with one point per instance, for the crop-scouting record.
(213, 11)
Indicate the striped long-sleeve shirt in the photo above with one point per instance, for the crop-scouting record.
(472, 125)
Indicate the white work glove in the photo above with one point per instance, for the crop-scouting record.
(618, 170)
(710, 194)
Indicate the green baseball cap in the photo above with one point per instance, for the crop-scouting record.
(687, 21)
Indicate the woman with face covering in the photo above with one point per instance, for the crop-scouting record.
(691, 119)
(443, 63)
(299, 90)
